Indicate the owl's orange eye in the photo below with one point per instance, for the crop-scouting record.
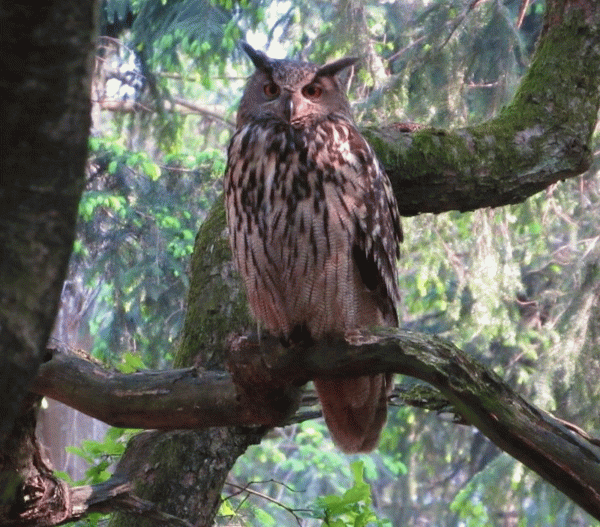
(271, 90)
(312, 91)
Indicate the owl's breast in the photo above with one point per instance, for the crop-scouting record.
(292, 200)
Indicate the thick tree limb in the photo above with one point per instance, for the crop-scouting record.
(170, 399)
(187, 398)
(540, 138)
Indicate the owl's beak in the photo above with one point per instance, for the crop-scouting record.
(287, 106)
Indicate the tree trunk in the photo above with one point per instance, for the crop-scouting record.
(183, 473)
(47, 52)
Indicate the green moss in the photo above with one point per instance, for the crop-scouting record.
(546, 129)
(561, 62)
(216, 302)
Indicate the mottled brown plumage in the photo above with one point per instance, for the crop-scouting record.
(314, 226)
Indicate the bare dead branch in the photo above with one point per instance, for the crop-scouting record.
(246, 489)
(214, 112)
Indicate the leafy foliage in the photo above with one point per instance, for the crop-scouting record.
(101, 456)
(138, 224)
(353, 507)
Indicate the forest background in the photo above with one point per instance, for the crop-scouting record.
(517, 285)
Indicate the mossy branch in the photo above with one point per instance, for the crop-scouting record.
(262, 390)
(541, 137)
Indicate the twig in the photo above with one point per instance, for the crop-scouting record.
(266, 497)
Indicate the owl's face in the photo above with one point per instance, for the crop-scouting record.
(292, 91)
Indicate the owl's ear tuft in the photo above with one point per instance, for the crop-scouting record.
(333, 68)
(260, 59)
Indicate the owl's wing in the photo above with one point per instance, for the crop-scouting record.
(378, 232)
(355, 408)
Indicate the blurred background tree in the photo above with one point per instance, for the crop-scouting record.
(518, 285)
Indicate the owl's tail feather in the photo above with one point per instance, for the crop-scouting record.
(355, 409)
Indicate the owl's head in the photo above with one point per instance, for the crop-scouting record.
(292, 91)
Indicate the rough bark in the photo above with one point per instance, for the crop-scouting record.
(45, 124)
(181, 473)
(46, 69)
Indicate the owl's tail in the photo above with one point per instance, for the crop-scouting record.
(355, 409)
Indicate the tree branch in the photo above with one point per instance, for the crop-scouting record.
(214, 112)
(257, 393)
(170, 399)
(541, 137)
(74, 503)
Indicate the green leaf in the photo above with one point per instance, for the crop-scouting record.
(226, 509)
(131, 363)
(265, 518)
(152, 170)
(64, 476)
(357, 468)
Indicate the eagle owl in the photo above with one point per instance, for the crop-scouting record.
(314, 226)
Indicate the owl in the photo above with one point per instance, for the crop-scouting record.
(314, 227)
